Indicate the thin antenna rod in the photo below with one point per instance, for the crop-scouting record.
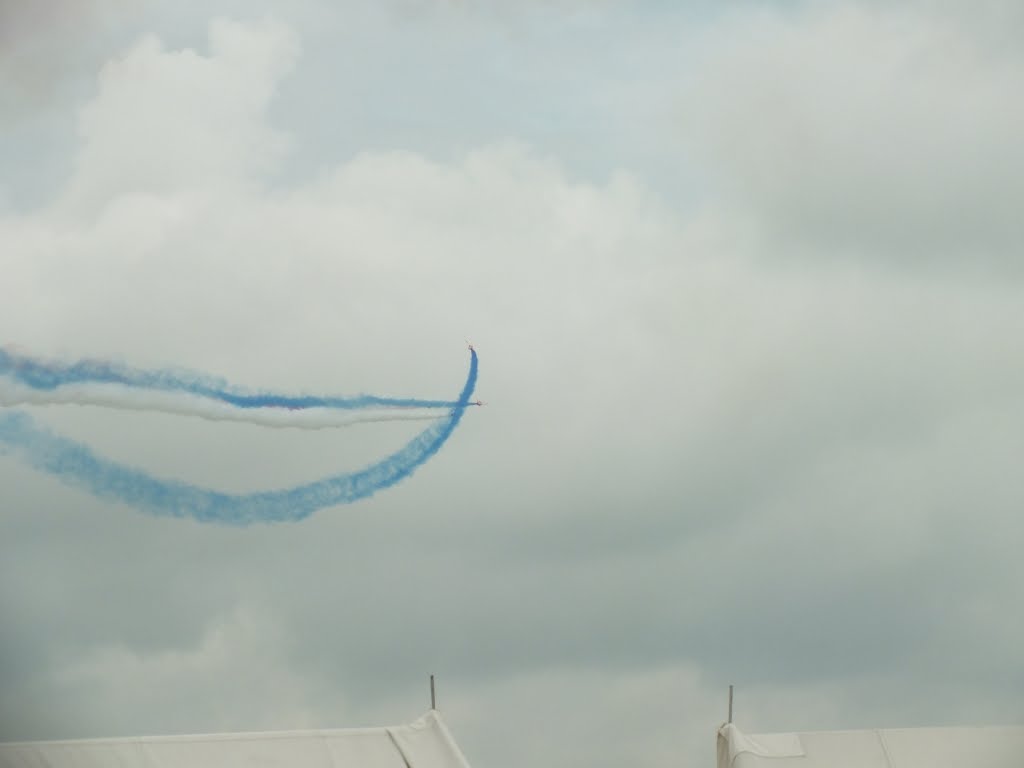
(730, 700)
(433, 698)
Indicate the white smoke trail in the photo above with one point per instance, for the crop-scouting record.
(179, 404)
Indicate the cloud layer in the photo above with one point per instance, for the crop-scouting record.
(761, 432)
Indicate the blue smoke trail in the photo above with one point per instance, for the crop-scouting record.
(48, 376)
(77, 465)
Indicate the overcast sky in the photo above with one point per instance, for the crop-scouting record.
(747, 286)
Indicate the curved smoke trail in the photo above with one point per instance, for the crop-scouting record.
(77, 465)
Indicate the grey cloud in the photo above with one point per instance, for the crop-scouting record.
(866, 131)
(43, 43)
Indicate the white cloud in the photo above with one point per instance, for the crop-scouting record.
(167, 120)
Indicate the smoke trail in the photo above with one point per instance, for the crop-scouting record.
(42, 376)
(77, 465)
(120, 398)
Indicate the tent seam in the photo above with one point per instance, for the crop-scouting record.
(398, 746)
(885, 747)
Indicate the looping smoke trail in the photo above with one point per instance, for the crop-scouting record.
(77, 465)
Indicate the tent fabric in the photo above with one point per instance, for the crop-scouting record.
(425, 743)
(983, 747)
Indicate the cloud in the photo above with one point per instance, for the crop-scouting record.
(240, 657)
(177, 96)
(42, 43)
(867, 130)
(701, 462)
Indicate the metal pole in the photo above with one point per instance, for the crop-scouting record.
(730, 703)
(433, 698)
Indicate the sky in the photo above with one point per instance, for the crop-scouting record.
(745, 281)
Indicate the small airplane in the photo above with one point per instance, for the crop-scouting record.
(479, 402)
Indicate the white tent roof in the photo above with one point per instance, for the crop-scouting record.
(425, 743)
(988, 747)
